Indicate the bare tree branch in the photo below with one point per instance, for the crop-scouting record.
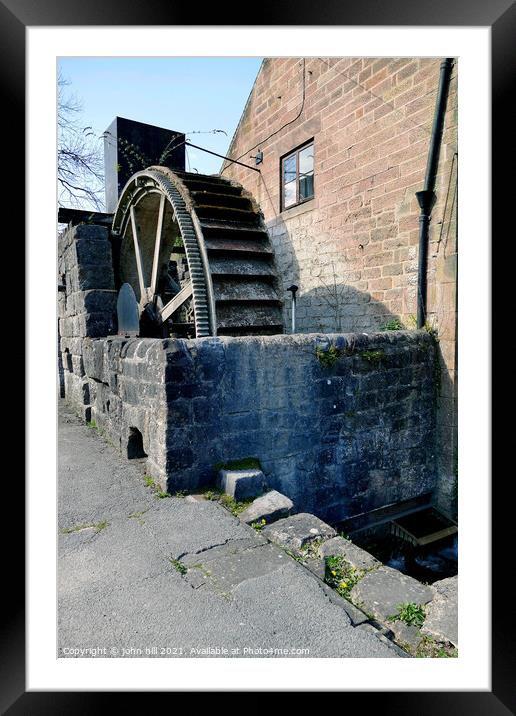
(80, 166)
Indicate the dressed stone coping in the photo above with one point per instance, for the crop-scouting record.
(241, 484)
(297, 531)
(269, 507)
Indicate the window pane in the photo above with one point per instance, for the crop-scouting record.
(289, 169)
(289, 193)
(306, 186)
(306, 160)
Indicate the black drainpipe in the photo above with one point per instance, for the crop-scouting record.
(427, 197)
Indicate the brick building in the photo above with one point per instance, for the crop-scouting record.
(345, 144)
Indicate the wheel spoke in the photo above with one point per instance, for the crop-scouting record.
(177, 301)
(157, 246)
(143, 293)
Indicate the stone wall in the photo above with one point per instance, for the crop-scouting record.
(353, 248)
(337, 439)
(87, 306)
(128, 396)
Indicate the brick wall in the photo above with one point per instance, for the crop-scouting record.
(353, 249)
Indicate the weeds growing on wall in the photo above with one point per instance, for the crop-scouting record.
(393, 325)
(374, 357)
(328, 358)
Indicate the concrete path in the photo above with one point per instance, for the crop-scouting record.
(141, 576)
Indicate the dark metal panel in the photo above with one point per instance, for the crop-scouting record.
(131, 146)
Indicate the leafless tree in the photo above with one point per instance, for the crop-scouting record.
(80, 169)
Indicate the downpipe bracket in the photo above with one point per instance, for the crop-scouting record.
(426, 200)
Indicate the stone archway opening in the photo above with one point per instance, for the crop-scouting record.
(135, 444)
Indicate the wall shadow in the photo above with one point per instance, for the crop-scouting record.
(333, 305)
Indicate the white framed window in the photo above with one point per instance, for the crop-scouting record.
(297, 176)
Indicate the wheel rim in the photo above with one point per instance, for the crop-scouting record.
(152, 208)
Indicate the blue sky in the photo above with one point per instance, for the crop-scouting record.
(184, 94)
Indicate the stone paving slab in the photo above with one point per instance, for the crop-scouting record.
(232, 547)
(231, 567)
(448, 587)
(356, 616)
(120, 587)
(287, 603)
(297, 531)
(406, 634)
(269, 507)
(182, 527)
(317, 566)
(370, 629)
(442, 613)
(381, 591)
(355, 556)
(97, 560)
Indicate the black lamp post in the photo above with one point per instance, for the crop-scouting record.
(293, 289)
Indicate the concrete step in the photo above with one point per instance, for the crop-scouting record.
(241, 484)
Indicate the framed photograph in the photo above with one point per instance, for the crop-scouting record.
(291, 182)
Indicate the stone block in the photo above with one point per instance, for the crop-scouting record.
(66, 327)
(61, 305)
(92, 251)
(241, 484)
(78, 366)
(227, 568)
(93, 357)
(408, 636)
(94, 325)
(317, 566)
(90, 232)
(91, 276)
(297, 531)
(269, 507)
(356, 615)
(442, 613)
(381, 592)
(97, 301)
(355, 556)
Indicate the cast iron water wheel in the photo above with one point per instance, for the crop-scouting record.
(197, 254)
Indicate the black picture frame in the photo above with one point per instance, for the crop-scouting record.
(500, 16)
